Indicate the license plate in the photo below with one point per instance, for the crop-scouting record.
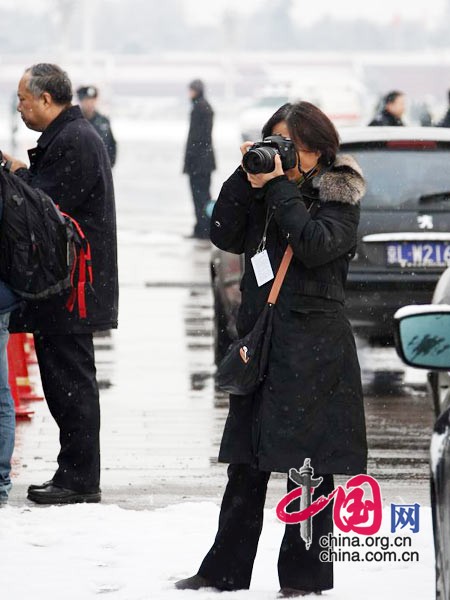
(418, 254)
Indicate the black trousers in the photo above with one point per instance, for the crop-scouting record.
(229, 563)
(200, 188)
(68, 374)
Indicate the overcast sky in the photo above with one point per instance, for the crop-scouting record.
(209, 11)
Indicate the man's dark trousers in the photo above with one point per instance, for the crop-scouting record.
(229, 563)
(68, 374)
(200, 187)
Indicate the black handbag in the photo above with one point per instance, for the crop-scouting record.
(244, 366)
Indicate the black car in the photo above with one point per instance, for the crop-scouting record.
(226, 274)
(439, 381)
(404, 233)
(404, 243)
(423, 340)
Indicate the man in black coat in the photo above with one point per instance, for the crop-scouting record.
(70, 163)
(199, 161)
(393, 108)
(87, 96)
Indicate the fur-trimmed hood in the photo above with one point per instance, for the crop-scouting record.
(342, 182)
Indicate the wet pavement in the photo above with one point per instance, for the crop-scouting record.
(161, 416)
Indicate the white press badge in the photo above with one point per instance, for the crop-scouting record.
(262, 267)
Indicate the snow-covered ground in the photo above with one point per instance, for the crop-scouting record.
(79, 552)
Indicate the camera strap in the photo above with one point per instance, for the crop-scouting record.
(262, 244)
(307, 175)
(261, 262)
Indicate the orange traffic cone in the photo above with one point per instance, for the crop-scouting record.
(22, 412)
(17, 357)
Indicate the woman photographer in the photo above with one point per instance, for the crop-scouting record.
(310, 404)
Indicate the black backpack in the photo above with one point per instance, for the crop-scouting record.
(43, 251)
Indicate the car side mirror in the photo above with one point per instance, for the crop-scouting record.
(422, 336)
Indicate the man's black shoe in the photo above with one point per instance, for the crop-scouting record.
(42, 486)
(196, 582)
(53, 494)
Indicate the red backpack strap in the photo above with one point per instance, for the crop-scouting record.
(83, 266)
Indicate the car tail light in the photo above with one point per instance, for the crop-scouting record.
(412, 144)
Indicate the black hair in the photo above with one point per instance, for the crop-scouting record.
(197, 86)
(392, 97)
(311, 128)
(277, 117)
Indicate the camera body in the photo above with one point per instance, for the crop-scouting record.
(260, 158)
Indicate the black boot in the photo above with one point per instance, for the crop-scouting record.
(42, 486)
(54, 494)
(293, 593)
(196, 582)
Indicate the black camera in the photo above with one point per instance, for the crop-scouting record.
(260, 158)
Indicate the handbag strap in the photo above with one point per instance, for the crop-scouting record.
(281, 274)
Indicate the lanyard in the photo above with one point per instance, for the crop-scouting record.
(262, 244)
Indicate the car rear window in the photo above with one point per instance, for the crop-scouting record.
(404, 179)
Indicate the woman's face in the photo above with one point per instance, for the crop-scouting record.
(307, 159)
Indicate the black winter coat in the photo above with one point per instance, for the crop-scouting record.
(71, 165)
(102, 126)
(445, 121)
(386, 119)
(310, 404)
(199, 157)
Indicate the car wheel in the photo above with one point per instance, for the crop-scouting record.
(221, 337)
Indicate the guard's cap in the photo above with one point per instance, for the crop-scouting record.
(88, 91)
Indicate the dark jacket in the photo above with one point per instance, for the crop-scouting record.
(445, 121)
(9, 301)
(199, 157)
(310, 405)
(386, 119)
(71, 165)
(102, 126)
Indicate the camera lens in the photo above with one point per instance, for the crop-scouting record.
(259, 160)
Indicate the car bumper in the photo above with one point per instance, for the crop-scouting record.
(373, 299)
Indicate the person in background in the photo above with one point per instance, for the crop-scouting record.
(445, 121)
(392, 111)
(199, 161)
(88, 97)
(71, 165)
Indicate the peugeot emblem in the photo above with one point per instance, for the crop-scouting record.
(425, 221)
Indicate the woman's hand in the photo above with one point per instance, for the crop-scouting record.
(260, 180)
(245, 147)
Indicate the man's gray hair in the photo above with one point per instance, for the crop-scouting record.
(45, 77)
